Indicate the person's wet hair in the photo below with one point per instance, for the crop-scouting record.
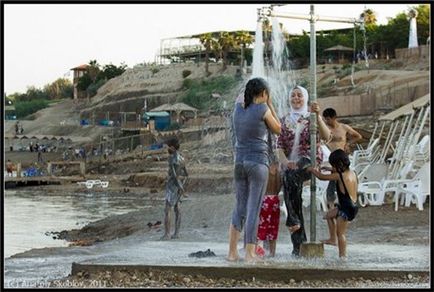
(254, 87)
(173, 142)
(329, 113)
(339, 160)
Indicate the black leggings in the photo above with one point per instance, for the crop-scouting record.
(292, 190)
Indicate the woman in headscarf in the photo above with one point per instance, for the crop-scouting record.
(293, 150)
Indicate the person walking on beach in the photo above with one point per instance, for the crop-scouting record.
(339, 140)
(346, 188)
(175, 188)
(252, 120)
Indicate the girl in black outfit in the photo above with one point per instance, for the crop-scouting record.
(346, 210)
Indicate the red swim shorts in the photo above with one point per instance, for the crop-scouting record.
(269, 218)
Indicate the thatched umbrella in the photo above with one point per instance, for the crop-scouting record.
(340, 50)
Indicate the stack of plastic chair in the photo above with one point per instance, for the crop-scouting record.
(373, 192)
(416, 190)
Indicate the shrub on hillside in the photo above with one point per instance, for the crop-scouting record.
(185, 73)
(25, 108)
(199, 92)
(93, 88)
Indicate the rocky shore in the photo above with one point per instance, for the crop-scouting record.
(166, 279)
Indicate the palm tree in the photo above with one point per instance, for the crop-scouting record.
(369, 16)
(226, 42)
(94, 69)
(207, 41)
(243, 39)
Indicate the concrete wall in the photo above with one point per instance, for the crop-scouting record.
(366, 104)
(405, 53)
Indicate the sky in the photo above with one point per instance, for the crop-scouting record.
(42, 42)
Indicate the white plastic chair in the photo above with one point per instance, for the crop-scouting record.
(373, 192)
(104, 184)
(415, 190)
(321, 195)
(367, 155)
(89, 184)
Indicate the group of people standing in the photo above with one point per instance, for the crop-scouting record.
(262, 169)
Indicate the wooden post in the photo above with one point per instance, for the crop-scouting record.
(82, 168)
(19, 169)
(49, 170)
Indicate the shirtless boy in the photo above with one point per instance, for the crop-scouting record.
(339, 140)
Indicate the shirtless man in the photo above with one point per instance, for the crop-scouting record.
(10, 167)
(339, 140)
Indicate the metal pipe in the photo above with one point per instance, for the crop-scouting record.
(403, 145)
(421, 125)
(392, 124)
(396, 151)
(313, 125)
(405, 155)
(386, 149)
(373, 134)
(315, 17)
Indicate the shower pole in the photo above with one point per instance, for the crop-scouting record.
(313, 126)
(313, 121)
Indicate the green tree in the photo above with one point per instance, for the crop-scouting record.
(423, 22)
(207, 41)
(110, 71)
(227, 43)
(60, 88)
(369, 17)
(243, 39)
(84, 82)
(93, 69)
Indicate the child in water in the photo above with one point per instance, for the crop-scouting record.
(347, 185)
(270, 212)
(175, 188)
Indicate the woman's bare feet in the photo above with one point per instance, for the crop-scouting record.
(294, 228)
(253, 259)
(165, 237)
(329, 241)
(232, 258)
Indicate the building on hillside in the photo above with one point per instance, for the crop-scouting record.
(10, 113)
(179, 112)
(78, 72)
(188, 49)
(159, 120)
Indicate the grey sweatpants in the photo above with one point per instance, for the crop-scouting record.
(250, 185)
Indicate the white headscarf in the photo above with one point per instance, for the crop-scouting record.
(295, 114)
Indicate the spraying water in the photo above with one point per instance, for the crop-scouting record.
(294, 151)
(258, 53)
(278, 74)
(412, 39)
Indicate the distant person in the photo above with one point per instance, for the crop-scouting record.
(339, 131)
(9, 167)
(21, 129)
(40, 156)
(175, 188)
(269, 216)
(31, 146)
(17, 127)
(252, 121)
(347, 185)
